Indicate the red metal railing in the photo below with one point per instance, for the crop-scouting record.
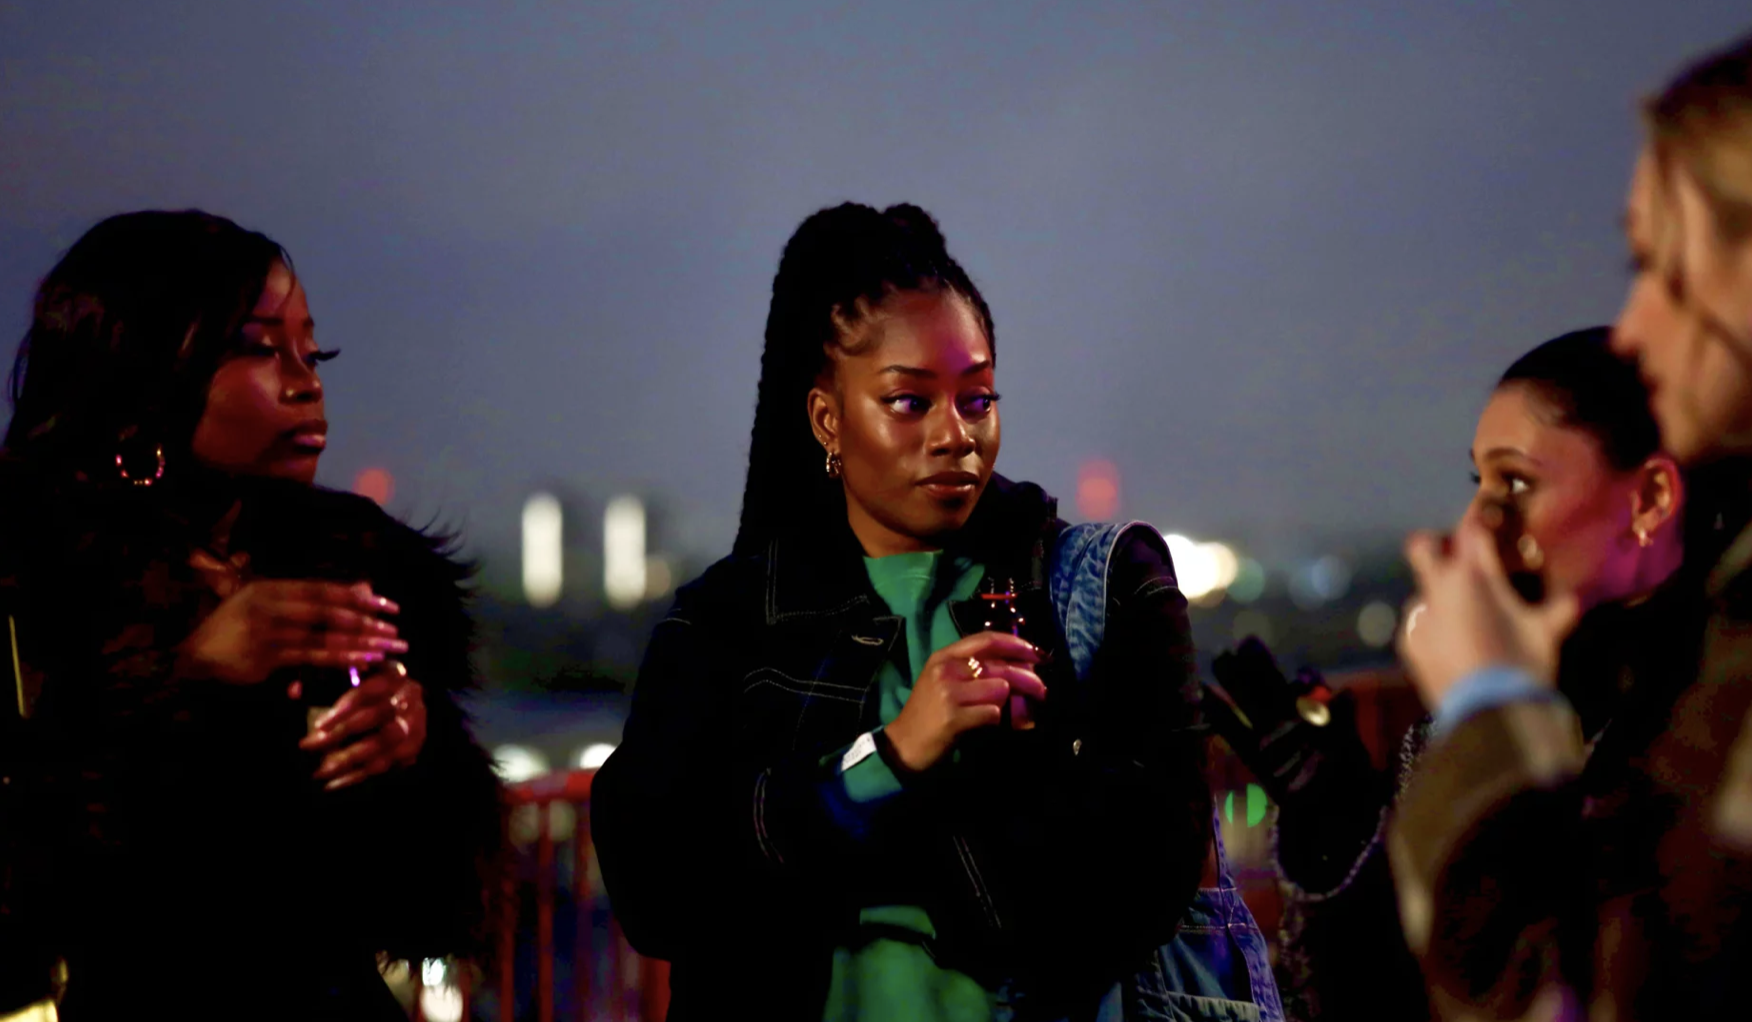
(649, 979)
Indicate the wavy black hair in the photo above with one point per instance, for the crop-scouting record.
(839, 265)
(126, 333)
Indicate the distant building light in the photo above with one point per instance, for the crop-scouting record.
(1320, 583)
(1330, 576)
(516, 763)
(543, 550)
(375, 483)
(623, 552)
(1195, 567)
(1098, 490)
(1376, 624)
(1227, 564)
(1249, 584)
(595, 755)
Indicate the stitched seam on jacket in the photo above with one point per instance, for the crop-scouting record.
(760, 832)
(806, 693)
(749, 680)
(791, 615)
(979, 888)
(1151, 587)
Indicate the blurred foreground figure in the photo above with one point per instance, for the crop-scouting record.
(890, 760)
(1568, 440)
(247, 772)
(1516, 909)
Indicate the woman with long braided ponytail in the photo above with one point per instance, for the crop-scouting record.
(847, 790)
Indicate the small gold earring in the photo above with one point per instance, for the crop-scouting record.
(835, 467)
(1643, 539)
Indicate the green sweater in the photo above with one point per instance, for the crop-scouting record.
(884, 979)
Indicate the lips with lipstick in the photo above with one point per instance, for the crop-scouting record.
(308, 438)
(950, 485)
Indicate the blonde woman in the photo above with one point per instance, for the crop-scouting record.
(1515, 910)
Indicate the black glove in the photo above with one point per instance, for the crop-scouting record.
(1301, 743)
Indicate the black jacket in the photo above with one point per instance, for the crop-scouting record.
(185, 860)
(1059, 856)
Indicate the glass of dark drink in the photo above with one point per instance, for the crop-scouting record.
(1003, 613)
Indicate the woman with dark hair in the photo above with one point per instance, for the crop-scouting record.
(1568, 440)
(241, 801)
(845, 791)
(1515, 911)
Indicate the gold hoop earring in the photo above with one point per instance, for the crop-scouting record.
(145, 480)
(835, 467)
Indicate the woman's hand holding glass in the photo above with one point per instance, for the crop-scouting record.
(964, 686)
(384, 719)
(272, 624)
(1471, 617)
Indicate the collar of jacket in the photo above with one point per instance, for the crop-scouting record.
(1733, 563)
(1007, 532)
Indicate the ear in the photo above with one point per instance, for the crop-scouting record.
(1659, 491)
(824, 416)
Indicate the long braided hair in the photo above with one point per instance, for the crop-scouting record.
(837, 268)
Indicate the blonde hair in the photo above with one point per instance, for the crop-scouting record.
(1702, 123)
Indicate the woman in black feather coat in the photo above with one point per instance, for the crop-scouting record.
(197, 832)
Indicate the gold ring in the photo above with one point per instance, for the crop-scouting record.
(1313, 711)
(975, 666)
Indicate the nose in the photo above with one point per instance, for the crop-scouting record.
(950, 435)
(300, 385)
(1627, 329)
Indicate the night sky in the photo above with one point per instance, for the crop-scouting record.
(1267, 257)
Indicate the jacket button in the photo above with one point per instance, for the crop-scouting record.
(1076, 746)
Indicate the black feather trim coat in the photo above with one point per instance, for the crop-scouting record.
(167, 839)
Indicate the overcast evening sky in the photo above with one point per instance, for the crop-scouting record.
(1266, 256)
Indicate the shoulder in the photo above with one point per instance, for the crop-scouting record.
(1139, 562)
(383, 540)
(732, 587)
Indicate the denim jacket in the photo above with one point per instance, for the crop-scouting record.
(1061, 857)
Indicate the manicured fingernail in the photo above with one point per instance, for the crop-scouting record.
(386, 604)
(393, 645)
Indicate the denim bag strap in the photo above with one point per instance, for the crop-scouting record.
(1217, 968)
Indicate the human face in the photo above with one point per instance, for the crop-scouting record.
(911, 411)
(1688, 318)
(1571, 500)
(264, 412)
